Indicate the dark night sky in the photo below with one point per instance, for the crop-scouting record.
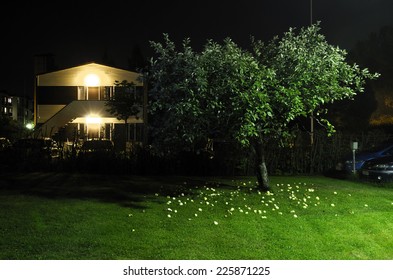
(77, 32)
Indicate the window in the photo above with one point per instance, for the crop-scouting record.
(107, 93)
(136, 132)
(81, 93)
(93, 93)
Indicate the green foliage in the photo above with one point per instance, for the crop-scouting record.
(11, 129)
(227, 92)
(309, 73)
(195, 97)
(125, 103)
(252, 97)
(236, 97)
(174, 87)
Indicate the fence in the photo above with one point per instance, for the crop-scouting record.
(296, 157)
(300, 157)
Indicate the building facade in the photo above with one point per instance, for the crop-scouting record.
(17, 108)
(71, 105)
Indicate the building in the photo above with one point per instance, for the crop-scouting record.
(71, 105)
(17, 108)
(6, 105)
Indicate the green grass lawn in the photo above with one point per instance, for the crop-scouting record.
(93, 217)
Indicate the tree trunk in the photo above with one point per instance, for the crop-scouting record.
(260, 166)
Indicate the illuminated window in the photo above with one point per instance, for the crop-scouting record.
(93, 93)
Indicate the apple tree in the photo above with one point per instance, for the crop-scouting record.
(253, 96)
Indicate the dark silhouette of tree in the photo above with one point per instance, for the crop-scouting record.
(125, 102)
(374, 107)
(137, 60)
(107, 59)
(11, 129)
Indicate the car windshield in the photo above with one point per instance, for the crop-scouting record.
(95, 145)
(378, 148)
(30, 143)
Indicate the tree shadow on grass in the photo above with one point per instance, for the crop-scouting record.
(127, 191)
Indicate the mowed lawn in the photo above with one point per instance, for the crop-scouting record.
(85, 216)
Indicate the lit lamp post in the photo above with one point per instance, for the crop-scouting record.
(30, 126)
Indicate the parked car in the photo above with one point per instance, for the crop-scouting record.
(96, 148)
(36, 148)
(382, 150)
(96, 156)
(5, 144)
(378, 169)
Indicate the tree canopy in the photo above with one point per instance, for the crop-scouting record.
(124, 102)
(251, 96)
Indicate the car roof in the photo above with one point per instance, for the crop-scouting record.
(382, 146)
(97, 144)
(383, 159)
